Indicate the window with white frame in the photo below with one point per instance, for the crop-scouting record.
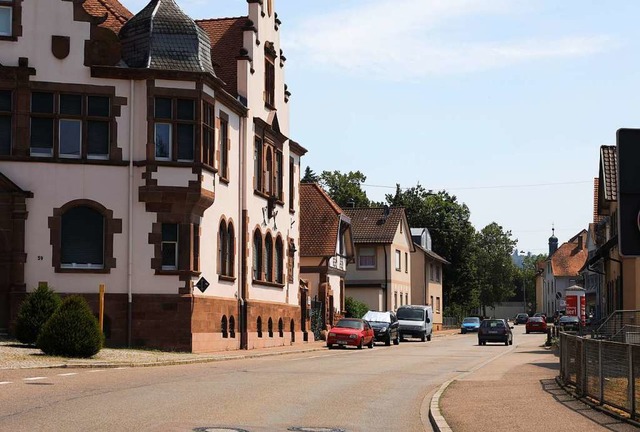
(367, 258)
(169, 246)
(174, 129)
(6, 17)
(398, 260)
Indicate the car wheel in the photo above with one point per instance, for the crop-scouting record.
(463, 331)
(329, 346)
(527, 331)
(396, 341)
(423, 337)
(479, 342)
(511, 341)
(360, 343)
(429, 337)
(388, 341)
(370, 344)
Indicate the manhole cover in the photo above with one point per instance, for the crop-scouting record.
(314, 429)
(218, 429)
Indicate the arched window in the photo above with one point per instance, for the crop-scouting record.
(279, 261)
(270, 327)
(259, 325)
(232, 326)
(268, 265)
(224, 327)
(292, 329)
(280, 328)
(82, 232)
(257, 255)
(230, 251)
(268, 176)
(222, 248)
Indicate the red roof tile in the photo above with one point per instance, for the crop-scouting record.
(370, 226)
(115, 12)
(226, 36)
(609, 165)
(570, 257)
(319, 221)
(596, 217)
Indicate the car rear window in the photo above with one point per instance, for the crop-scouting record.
(535, 319)
(493, 323)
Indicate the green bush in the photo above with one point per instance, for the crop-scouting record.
(35, 310)
(72, 331)
(355, 308)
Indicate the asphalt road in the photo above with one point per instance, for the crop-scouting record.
(379, 389)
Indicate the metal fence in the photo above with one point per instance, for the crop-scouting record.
(450, 322)
(605, 371)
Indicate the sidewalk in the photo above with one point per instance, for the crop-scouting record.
(14, 355)
(516, 391)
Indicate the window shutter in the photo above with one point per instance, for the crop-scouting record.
(82, 237)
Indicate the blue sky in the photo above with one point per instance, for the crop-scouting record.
(503, 103)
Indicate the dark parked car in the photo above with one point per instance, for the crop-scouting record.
(522, 318)
(569, 323)
(385, 326)
(495, 330)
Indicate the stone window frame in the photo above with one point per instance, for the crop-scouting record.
(174, 121)
(188, 265)
(224, 146)
(112, 226)
(16, 19)
(269, 168)
(269, 76)
(267, 257)
(226, 250)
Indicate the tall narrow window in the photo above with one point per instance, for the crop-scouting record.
(406, 262)
(268, 178)
(186, 115)
(42, 121)
(257, 255)
(268, 264)
(224, 149)
(279, 261)
(5, 122)
(70, 125)
(169, 246)
(98, 125)
(208, 134)
(222, 248)
(278, 176)
(398, 264)
(164, 135)
(230, 250)
(82, 238)
(6, 17)
(257, 164)
(269, 82)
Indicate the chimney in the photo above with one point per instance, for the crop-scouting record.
(580, 242)
(385, 214)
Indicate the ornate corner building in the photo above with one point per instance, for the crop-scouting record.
(150, 152)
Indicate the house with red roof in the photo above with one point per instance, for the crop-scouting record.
(380, 277)
(326, 248)
(151, 153)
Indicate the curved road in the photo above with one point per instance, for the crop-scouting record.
(379, 389)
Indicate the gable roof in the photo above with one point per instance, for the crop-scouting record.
(320, 219)
(370, 226)
(570, 257)
(226, 36)
(116, 14)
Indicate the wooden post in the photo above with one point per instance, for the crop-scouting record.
(101, 307)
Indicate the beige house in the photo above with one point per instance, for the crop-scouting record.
(427, 275)
(380, 277)
(326, 247)
(151, 153)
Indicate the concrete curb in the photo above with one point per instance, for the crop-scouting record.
(436, 418)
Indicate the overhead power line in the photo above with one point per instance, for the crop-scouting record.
(487, 187)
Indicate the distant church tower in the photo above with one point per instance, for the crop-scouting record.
(553, 242)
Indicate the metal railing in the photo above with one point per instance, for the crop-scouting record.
(605, 371)
(450, 322)
(612, 327)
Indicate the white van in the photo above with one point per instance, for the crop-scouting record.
(415, 321)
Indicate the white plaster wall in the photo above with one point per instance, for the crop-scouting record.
(353, 273)
(174, 176)
(334, 281)
(186, 85)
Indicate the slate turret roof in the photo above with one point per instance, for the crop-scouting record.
(161, 36)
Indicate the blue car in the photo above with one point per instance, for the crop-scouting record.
(470, 324)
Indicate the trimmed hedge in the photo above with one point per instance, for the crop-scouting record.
(72, 331)
(355, 308)
(34, 312)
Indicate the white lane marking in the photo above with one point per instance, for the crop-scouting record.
(120, 368)
(34, 378)
(97, 370)
(5, 382)
(68, 374)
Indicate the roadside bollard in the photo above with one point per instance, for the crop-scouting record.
(548, 343)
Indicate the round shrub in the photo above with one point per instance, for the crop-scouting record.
(35, 310)
(72, 331)
(355, 308)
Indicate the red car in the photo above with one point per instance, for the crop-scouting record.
(351, 331)
(536, 324)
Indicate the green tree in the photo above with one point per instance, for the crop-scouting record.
(345, 189)
(494, 267)
(72, 331)
(35, 310)
(310, 176)
(354, 308)
(452, 236)
(525, 278)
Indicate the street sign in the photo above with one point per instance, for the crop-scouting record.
(558, 295)
(202, 284)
